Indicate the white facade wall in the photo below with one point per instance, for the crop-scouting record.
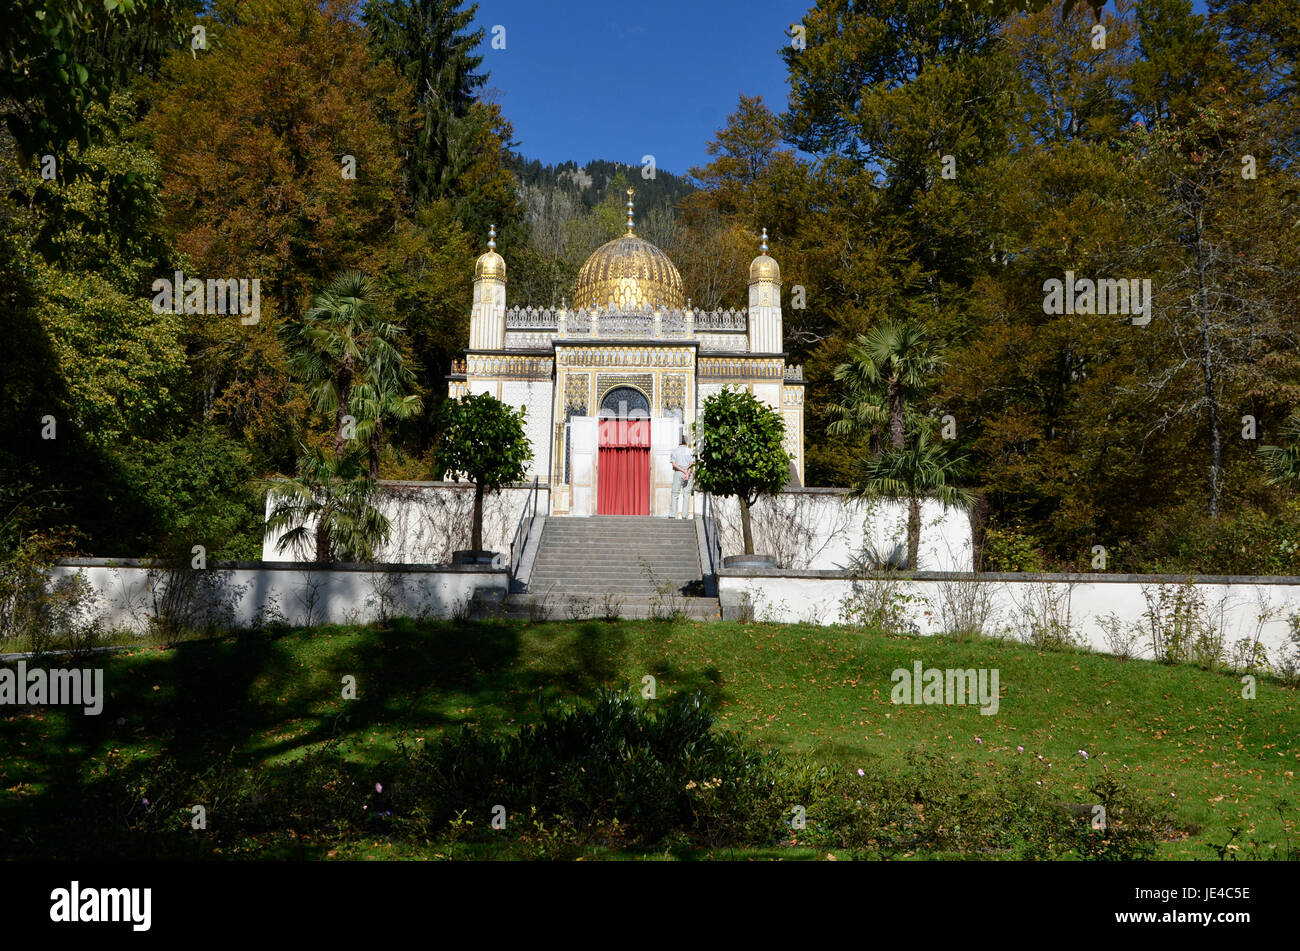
(1247, 609)
(237, 594)
(535, 397)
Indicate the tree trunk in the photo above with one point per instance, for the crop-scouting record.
(476, 536)
(895, 414)
(913, 531)
(744, 525)
(345, 394)
(376, 442)
(322, 536)
(1207, 370)
(978, 516)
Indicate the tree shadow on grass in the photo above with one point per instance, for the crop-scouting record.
(250, 699)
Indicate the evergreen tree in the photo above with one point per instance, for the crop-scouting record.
(430, 43)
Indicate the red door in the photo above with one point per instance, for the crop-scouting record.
(623, 467)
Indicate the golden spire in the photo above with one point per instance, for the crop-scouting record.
(630, 193)
(764, 268)
(490, 264)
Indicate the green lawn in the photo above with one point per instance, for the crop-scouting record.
(1179, 736)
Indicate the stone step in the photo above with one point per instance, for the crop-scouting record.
(623, 540)
(650, 526)
(596, 586)
(614, 566)
(529, 607)
(621, 550)
(637, 560)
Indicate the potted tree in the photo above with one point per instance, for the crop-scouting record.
(742, 453)
(482, 439)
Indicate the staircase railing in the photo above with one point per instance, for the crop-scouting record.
(712, 542)
(522, 532)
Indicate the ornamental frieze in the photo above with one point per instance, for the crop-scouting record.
(625, 357)
(511, 367)
(743, 368)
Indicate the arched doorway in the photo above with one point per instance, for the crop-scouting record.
(623, 465)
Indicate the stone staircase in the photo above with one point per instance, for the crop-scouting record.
(625, 565)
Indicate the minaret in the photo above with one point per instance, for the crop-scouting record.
(765, 303)
(487, 322)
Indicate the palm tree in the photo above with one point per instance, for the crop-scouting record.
(331, 502)
(382, 392)
(1283, 462)
(920, 471)
(889, 367)
(339, 339)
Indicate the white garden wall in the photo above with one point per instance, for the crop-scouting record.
(237, 594)
(1241, 611)
(430, 520)
(805, 528)
(823, 529)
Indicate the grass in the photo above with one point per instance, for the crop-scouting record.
(1179, 736)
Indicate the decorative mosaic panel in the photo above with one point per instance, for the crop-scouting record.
(674, 392)
(575, 393)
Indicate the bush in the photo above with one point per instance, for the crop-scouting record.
(935, 806)
(198, 491)
(1240, 541)
(880, 603)
(653, 771)
(38, 614)
(1008, 549)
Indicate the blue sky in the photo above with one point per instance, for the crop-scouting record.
(615, 80)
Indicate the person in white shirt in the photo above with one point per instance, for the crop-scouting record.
(683, 461)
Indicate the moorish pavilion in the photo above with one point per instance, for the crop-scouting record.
(612, 383)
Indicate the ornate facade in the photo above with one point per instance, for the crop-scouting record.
(631, 348)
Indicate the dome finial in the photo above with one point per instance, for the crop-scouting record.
(630, 193)
(492, 237)
(763, 246)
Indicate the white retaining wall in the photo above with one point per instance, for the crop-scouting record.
(823, 529)
(430, 520)
(1242, 610)
(236, 594)
(805, 528)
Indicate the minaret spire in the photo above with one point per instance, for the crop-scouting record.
(492, 237)
(630, 193)
(763, 246)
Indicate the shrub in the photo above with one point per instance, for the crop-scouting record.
(933, 805)
(1044, 619)
(880, 603)
(1182, 627)
(654, 770)
(1008, 549)
(40, 614)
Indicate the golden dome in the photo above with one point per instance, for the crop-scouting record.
(491, 265)
(629, 272)
(764, 268)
